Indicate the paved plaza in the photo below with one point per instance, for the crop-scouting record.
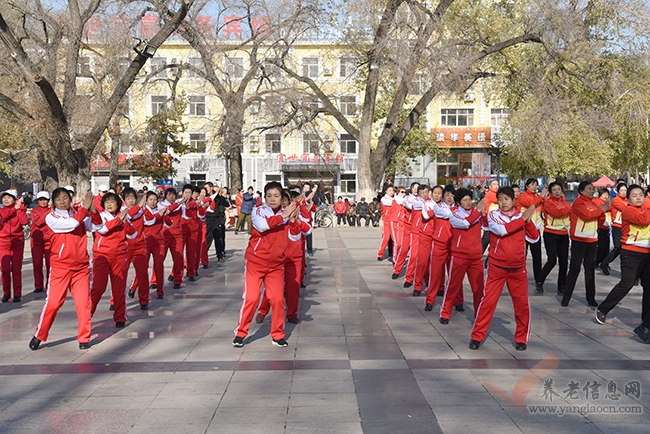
(366, 358)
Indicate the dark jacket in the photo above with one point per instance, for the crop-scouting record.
(362, 209)
(248, 204)
(374, 207)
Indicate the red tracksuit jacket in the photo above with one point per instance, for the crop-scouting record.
(556, 215)
(465, 233)
(40, 231)
(268, 241)
(136, 241)
(585, 217)
(14, 220)
(508, 236)
(618, 205)
(442, 225)
(636, 233)
(153, 222)
(69, 241)
(111, 234)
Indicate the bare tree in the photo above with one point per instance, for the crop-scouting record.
(42, 55)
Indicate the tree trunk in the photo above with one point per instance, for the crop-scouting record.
(113, 175)
(236, 175)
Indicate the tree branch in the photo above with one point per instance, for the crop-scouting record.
(13, 108)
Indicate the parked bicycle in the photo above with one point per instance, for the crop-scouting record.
(323, 218)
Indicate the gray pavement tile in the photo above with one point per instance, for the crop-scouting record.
(322, 399)
(186, 401)
(322, 386)
(329, 428)
(271, 415)
(247, 399)
(411, 427)
(323, 414)
(116, 403)
(480, 426)
(218, 427)
(160, 417)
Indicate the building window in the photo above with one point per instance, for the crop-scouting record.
(349, 105)
(83, 67)
(197, 179)
(348, 183)
(457, 117)
(197, 105)
(235, 67)
(158, 64)
(347, 66)
(197, 142)
(197, 63)
(125, 181)
(158, 103)
(273, 178)
(498, 117)
(310, 67)
(347, 144)
(272, 71)
(273, 143)
(418, 85)
(310, 143)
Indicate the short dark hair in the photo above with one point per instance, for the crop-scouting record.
(422, 187)
(555, 183)
(209, 183)
(513, 186)
(152, 193)
(530, 181)
(449, 188)
(58, 192)
(437, 186)
(413, 184)
(129, 191)
(508, 191)
(113, 196)
(633, 187)
(294, 194)
(604, 190)
(583, 185)
(307, 183)
(172, 191)
(188, 187)
(250, 187)
(460, 194)
(273, 185)
(621, 184)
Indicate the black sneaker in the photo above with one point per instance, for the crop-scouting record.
(293, 320)
(280, 343)
(394, 276)
(444, 321)
(5, 298)
(380, 259)
(473, 345)
(600, 317)
(441, 292)
(539, 287)
(131, 294)
(120, 324)
(160, 297)
(643, 333)
(592, 303)
(460, 307)
(111, 308)
(84, 345)
(144, 307)
(302, 285)
(154, 286)
(37, 290)
(416, 293)
(170, 278)
(16, 299)
(192, 279)
(238, 342)
(408, 284)
(177, 286)
(520, 347)
(604, 269)
(236, 232)
(205, 266)
(560, 289)
(428, 307)
(34, 343)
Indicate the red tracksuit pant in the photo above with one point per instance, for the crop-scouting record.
(388, 231)
(190, 246)
(116, 267)
(141, 279)
(413, 255)
(40, 251)
(156, 249)
(272, 276)
(203, 247)
(291, 288)
(518, 287)
(174, 243)
(424, 251)
(11, 260)
(57, 287)
(439, 261)
(458, 267)
(404, 247)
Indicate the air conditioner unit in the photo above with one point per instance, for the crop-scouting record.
(253, 139)
(469, 96)
(328, 138)
(327, 71)
(253, 147)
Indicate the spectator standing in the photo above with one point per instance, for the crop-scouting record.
(245, 211)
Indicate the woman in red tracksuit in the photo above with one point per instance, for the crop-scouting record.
(173, 234)
(69, 267)
(466, 253)
(137, 246)
(407, 219)
(12, 245)
(619, 202)
(635, 260)
(294, 255)
(190, 230)
(527, 199)
(556, 236)
(509, 231)
(424, 222)
(154, 215)
(110, 255)
(388, 216)
(264, 264)
(39, 238)
(424, 194)
(440, 249)
(583, 231)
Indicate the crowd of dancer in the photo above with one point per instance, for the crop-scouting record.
(444, 233)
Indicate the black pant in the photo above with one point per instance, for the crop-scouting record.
(585, 254)
(341, 218)
(557, 249)
(633, 265)
(310, 244)
(352, 220)
(485, 240)
(536, 254)
(215, 229)
(365, 217)
(603, 245)
(617, 234)
(375, 219)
